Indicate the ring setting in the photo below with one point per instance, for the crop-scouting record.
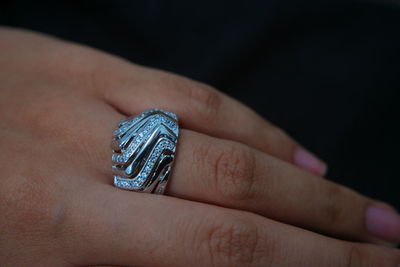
(144, 151)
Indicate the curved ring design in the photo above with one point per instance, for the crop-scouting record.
(144, 151)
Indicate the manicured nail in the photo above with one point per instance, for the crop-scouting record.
(383, 223)
(308, 161)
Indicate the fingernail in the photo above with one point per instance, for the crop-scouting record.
(383, 223)
(308, 161)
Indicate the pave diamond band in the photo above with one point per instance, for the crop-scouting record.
(144, 151)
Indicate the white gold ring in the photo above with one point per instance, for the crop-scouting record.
(144, 151)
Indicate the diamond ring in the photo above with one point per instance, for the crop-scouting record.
(144, 151)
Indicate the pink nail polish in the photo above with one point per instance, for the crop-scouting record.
(308, 161)
(383, 223)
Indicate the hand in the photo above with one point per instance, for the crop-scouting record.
(239, 198)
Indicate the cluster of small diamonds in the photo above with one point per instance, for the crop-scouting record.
(132, 121)
(122, 129)
(142, 136)
(138, 181)
(155, 154)
(125, 125)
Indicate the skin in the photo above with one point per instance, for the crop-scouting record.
(235, 198)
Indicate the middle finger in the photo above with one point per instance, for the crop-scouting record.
(234, 175)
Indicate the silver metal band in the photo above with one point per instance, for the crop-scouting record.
(144, 151)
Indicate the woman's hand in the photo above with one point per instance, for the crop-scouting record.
(239, 198)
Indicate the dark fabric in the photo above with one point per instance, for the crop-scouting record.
(326, 72)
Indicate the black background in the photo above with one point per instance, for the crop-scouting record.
(328, 73)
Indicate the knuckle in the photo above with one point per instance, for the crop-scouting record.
(37, 211)
(336, 211)
(234, 171)
(232, 242)
(203, 100)
(50, 106)
(87, 228)
(358, 255)
(199, 100)
(64, 121)
(276, 134)
(279, 142)
(353, 257)
(33, 198)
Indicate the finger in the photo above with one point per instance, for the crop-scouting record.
(203, 109)
(233, 175)
(123, 228)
